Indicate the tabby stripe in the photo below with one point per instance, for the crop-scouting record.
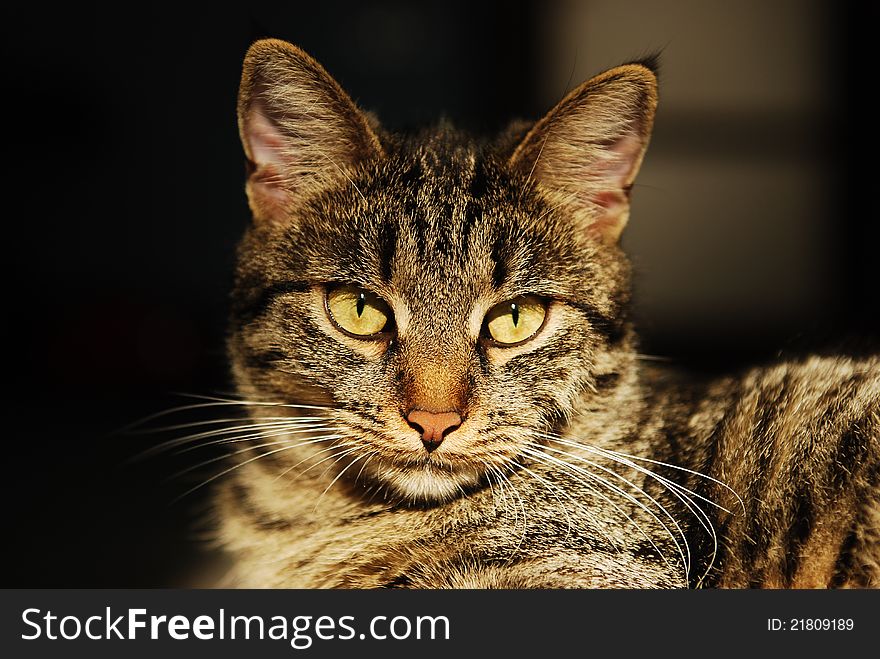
(473, 212)
(264, 359)
(798, 533)
(242, 500)
(605, 381)
(420, 230)
(258, 304)
(755, 542)
(499, 258)
(613, 330)
(713, 492)
(387, 248)
(441, 243)
(851, 450)
(845, 560)
(400, 581)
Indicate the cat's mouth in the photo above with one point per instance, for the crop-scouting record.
(425, 479)
(398, 461)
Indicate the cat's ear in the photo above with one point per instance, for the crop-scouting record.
(587, 151)
(299, 129)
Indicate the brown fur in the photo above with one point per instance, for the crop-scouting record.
(528, 491)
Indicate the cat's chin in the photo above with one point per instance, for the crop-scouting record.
(427, 483)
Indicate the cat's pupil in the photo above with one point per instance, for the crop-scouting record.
(362, 300)
(514, 313)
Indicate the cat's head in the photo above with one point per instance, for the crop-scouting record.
(448, 299)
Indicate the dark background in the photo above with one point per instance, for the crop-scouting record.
(754, 226)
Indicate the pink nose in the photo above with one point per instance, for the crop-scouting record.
(433, 426)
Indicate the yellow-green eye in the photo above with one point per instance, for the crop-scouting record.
(516, 320)
(357, 311)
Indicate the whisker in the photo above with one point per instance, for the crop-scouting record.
(189, 439)
(313, 455)
(635, 487)
(690, 471)
(547, 485)
(216, 422)
(485, 464)
(673, 487)
(256, 403)
(227, 456)
(502, 484)
(276, 432)
(653, 358)
(549, 460)
(215, 401)
(592, 517)
(231, 469)
(619, 454)
(525, 522)
(349, 449)
(622, 493)
(370, 456)
(684, 494)
(338, 476)
(689, 503)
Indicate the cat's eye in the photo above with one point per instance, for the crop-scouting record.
(516, 321)
(358, 312)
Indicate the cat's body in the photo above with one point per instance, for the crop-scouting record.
(807, 472)
(430, 337)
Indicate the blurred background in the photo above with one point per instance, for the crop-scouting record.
(753, 228)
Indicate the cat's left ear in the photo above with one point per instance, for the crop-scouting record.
(301, 132)
(586, 152)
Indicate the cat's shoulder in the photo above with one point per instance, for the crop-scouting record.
(811, 390)
(805, 374)
(825, 380)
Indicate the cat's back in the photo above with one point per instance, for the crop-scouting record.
(799, 442)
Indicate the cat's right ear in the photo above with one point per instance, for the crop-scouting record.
(299, 129)
(586, 152)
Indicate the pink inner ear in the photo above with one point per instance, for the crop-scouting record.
(610, 222)
(266, 149)
(612, 176)
(617, 168)
(264, 140)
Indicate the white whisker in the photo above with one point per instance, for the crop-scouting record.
(215, 422)
(338, 476)
(626, 456)
(214, 401)
(522, 508)
(689, 471)
(227, 456)
(621, 492)
(192, 439)
(682, 493)
(595, 520)
(311, 456)
(233, 468)
(275, 432)
(643, 493)
(552, 491)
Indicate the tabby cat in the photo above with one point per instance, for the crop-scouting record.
(430, 340)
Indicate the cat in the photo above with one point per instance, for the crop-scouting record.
(430, 340)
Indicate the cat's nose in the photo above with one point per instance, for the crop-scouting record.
(433, 426)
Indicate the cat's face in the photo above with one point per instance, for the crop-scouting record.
(446, 300)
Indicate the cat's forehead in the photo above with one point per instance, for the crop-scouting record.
(442, 219)
(452, 216)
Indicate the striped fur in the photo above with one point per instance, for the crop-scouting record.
(530, 491)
